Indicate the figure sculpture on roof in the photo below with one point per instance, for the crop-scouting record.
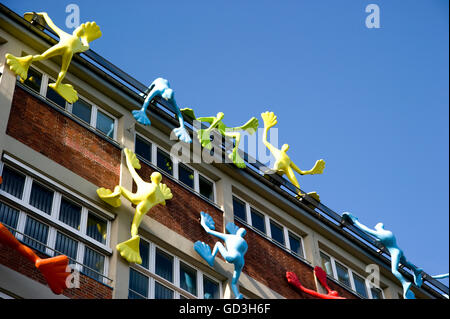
(146, 197)
(233, 251)
(283, 164)
(388, 240)
(68, 45)
(215, 122)
(161, 87)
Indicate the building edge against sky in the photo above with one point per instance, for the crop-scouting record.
(55, 155)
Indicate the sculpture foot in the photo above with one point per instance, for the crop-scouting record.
(182, 134)
(130, 250)
(418, 280)
(66, 91)
(204, 137)
(205, 252)
(407, 293)
(55, 272)
(141, 117)
(314, 195)
(240, 296)
(237, 160)
(19, 65)
(112, 198)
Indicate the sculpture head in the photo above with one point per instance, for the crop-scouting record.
(241, 232)
(285, 148)
(156, 178)
(379, 226)
(160, 82)
(220, 116)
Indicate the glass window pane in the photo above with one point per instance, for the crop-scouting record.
(296, 244)
(8, 216)
(239, 209)
(186, 175)
(164, 265)
(105, 124)
(143, 148)
(162, 292)
(360, 285)
(36, 234)
(34, 80)
(66, 246)
(210, 288)
(96, 228)
(70, 213)
(342, 274)
(13, 182)
(206, 188)
(376, 293)
(55, 97)
(164, 162)
(41, 198)
(82, 110)
(326, 264)
(277, 232)
(95, 261)
(188, 279)
(144, 252)
(258, 221)
(138, 285)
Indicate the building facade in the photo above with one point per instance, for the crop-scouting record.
(55, 155)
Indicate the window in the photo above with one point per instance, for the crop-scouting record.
(164, 162)
(360, 285)
(258, 221)
(296, 245)
(95, 262)
(277, 232)
(342, 274)
(165, 276)
(105, 124)
(70, 213)
(66, 245)
(206, 188)
(34, 80)
(326, 264)
(377, 293)
(41, 198)
(13, 182)
(8, 216)
(96, 228)
(239, 209)
(53, 96)
(36, 234)
(82, 110)
(188, 279)
(143, 148)
(186, 175)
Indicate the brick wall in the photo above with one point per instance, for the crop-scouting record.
(63, 140)
(89, 288)
(182, 212)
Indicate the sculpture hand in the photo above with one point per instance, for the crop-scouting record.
(270, 119)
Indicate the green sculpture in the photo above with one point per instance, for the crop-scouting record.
(215, 122)
(147, 196)
(283, 164)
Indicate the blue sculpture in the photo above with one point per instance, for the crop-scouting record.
(233, 251)
(443, 276)
(161, 87)
(388, 240)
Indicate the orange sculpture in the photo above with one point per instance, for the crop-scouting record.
(54, 269)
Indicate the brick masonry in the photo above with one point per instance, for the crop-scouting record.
(63, 140)
(89, 288)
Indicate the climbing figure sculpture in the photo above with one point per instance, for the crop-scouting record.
(233, 252)
(216, 122)
(322, 277)
(68, 45)
(388, 240)
(161, 87)
(147, 196)
(283, 164)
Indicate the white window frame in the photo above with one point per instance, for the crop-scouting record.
(350, 274)
(175, 286)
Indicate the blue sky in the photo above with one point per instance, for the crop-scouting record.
(373, 103)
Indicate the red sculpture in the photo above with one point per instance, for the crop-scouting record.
(322, 277)
(54, 269)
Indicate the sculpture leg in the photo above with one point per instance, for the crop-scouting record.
(417, 272)
(234, 281)
(234, 155)
(65, 90)
(291, 176)
(141, 115)
(396, 256)
(129, 249)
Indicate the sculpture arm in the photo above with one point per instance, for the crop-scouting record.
(366, 229)
(298, 170)
(212, 232)
(271, 148)
(51, 24)
(132, 163)
(209, 119)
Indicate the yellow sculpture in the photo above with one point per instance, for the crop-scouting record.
(147, 196)
(283, 164)
(68, 45)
